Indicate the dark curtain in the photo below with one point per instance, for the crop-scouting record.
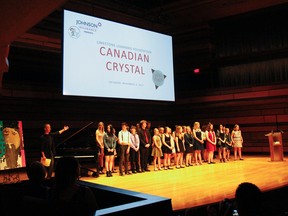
(252, 49)
(250, 35)
(266, 72)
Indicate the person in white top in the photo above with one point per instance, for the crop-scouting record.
(100, 144)
(124, 142)
(237, 141)
(134, 150)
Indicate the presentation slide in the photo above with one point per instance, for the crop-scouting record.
(102, 58)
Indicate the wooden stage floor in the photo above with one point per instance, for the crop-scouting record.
(201, 185)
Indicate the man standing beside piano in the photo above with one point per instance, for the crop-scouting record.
(48, 147)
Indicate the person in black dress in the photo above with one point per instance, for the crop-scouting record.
(150, 131)
(180, 147)
(198, 143)
(189, 142)
(168, 146)
(228, 143)
(220, 134)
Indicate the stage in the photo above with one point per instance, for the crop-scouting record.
(204, 184)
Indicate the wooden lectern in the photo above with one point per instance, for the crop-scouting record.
(276, 146)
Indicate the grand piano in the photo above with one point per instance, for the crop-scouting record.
(81, 144)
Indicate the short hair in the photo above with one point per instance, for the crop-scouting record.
(143, 121)
(46, 125)
(124, 123)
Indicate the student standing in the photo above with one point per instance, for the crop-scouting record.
(156, 150)
(198, 143)
(145, 142)
(134, 150)
(180, 147)
(100, 145)
(228, 142)
(237, 141)
(124, 141)
(210, 143)
(189, 142)
(109, 140)
(221, 140)
(167, 146)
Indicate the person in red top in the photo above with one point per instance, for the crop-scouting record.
(210, 142)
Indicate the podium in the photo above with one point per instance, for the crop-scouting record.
(276, 146)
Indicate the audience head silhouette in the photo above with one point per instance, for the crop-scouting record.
(36, 186)
(36, 172)
(248, 199)
(67, 172)
(68, 195)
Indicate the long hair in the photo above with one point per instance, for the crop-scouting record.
(209, 127)
(111, 132)
(167, 129)
(189, 128)
(195, 124)
(235, 126)
(99, 124)
(178, 130)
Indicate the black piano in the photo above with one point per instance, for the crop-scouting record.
(81, 144)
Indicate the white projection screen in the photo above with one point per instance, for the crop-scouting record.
(102, 58)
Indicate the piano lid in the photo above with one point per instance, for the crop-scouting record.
(81, 142)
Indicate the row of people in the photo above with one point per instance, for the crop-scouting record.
(135, 145)
(130, 143)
